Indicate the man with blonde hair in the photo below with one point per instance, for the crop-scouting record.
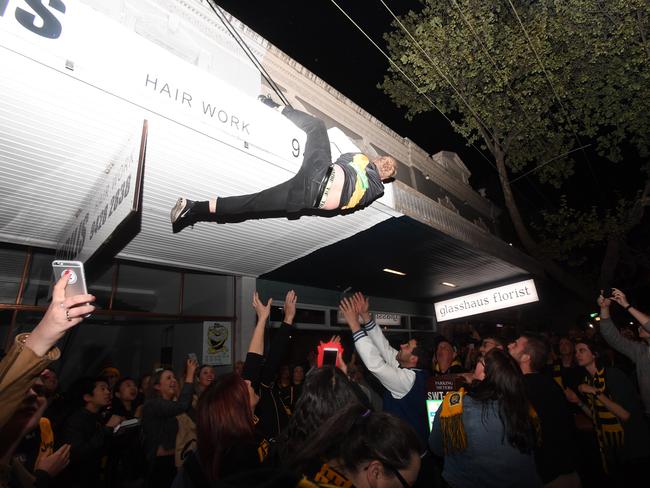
(354, 180)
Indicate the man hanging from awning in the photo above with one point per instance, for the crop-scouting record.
(353, 180)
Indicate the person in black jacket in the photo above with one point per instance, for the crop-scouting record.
(88, 437)
(353, 180)
(554, 456)
(273, 415)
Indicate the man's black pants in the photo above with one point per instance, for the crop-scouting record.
(297, 193)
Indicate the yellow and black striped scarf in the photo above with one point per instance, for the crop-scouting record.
(328, 476)
(609, 430)
(454, 438)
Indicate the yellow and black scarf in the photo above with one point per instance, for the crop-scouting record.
(328, 476)
(47, 438)
(609, 430)
(454, 438)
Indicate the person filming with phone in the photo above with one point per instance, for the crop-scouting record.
(32, 352)
(638, 352)
(21, 403)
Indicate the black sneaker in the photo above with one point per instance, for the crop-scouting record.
(268, 101)
(181, 215)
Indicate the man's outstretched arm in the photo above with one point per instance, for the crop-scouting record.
(387, 352)
(396, 380)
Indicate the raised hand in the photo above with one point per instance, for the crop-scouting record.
(62, 314)
(290, 307)
(349, 310)
(263, 311)
(340, 363)
(362, 305)
(619, 297)
(191, 366)
(602, 301)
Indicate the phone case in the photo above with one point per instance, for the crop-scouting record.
(77, 281)
(321, 352)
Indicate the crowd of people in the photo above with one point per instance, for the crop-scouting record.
(526, 411)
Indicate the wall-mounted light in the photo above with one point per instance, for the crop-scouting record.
(450, 285)
(393, 271)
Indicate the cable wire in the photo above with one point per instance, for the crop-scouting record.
(549, 161)
(218, 11)
(417, 44)
(467, 103)
(496, 67)
(401, 71)
(548, 79)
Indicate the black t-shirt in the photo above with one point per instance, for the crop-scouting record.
(555, 454)
(89, 441)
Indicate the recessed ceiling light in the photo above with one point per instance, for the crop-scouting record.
(388, 270)
(450, 285)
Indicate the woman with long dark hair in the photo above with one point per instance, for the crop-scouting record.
(487, 434)
(227, 442)
(360, 448)
(325, 392)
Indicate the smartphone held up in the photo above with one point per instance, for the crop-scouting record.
(76, 278)
(329, 354)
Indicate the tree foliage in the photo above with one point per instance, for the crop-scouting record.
(531, 84)
(567, 229)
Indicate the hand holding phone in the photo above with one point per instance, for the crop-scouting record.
(62, 314)
(77, 277)
(329, 354)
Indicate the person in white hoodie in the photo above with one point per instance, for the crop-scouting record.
(403, 373)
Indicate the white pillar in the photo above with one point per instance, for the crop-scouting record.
(245, 287)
